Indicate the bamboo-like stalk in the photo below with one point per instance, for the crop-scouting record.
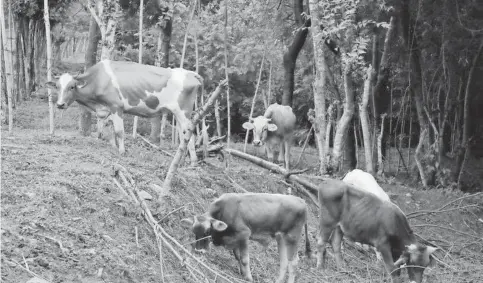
(8, 69)
(228, 133)
(253, 101)
(49, 64)
(140, 60)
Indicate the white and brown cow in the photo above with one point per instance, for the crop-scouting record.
(137, 89)
(274, 128)
(363, 217)
(233, 219)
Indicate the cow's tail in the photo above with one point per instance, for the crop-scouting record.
(201, 80)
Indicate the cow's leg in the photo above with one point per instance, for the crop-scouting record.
(336, 245)
(245, 260)
(281, 153)
(292, 255)
(287, 154)
(282, 251)
(322, 240)
(236, 253)
(269, 151)
(378, 254)
(395, 273)
(118, 125)
(185, 126)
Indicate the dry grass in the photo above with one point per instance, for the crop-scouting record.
(64, 218)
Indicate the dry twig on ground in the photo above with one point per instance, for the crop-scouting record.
(155, 146)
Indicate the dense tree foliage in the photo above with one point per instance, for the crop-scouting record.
(425, 58)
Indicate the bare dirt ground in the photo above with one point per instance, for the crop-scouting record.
(63, 219)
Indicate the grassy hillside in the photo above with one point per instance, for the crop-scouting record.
(64, 219)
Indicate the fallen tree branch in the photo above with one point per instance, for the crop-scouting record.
(424, 212)
(450, 229)
(446, 205)
(312, 188)
(155, 146)
(460, 198)
(173, 167)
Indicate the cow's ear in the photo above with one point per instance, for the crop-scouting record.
(272, 127)
(248, 126)
(187, 222)
(51, 84)
(80, 84)
(218, 225)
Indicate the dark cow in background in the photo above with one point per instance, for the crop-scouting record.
(128, 87)
(274, 128)
(233, 219)
(363, 217)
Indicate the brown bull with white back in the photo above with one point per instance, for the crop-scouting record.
(363, 217)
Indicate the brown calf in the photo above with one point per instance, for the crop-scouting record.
(233, 218)
(363, 217)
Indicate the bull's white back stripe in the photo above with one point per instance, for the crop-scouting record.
(115, 83)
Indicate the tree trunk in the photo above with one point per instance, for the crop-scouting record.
(228, 106)
(140, 60)
(291, 54)
(217, 117)
(350, 160)
(466, 118)
(31, 56)
(253, 101)
(343, 124)
(85, 119)
(22, 77)
(157, 123)
(364, 116)
(415, 74)
(319, 122)
(380, 156)
(49, 63)
(381, 97)
(106, 13)
(8, 68)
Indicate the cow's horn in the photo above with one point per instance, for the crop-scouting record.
(402, 260)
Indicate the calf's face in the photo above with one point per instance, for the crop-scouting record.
(260, 126)
(417, 257)
(203, 226)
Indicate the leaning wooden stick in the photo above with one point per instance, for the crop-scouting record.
(184, 142)
(274, 167)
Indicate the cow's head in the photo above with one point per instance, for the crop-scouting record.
(260, 125)
(67, 87)
(417, 257)
(203, 227)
